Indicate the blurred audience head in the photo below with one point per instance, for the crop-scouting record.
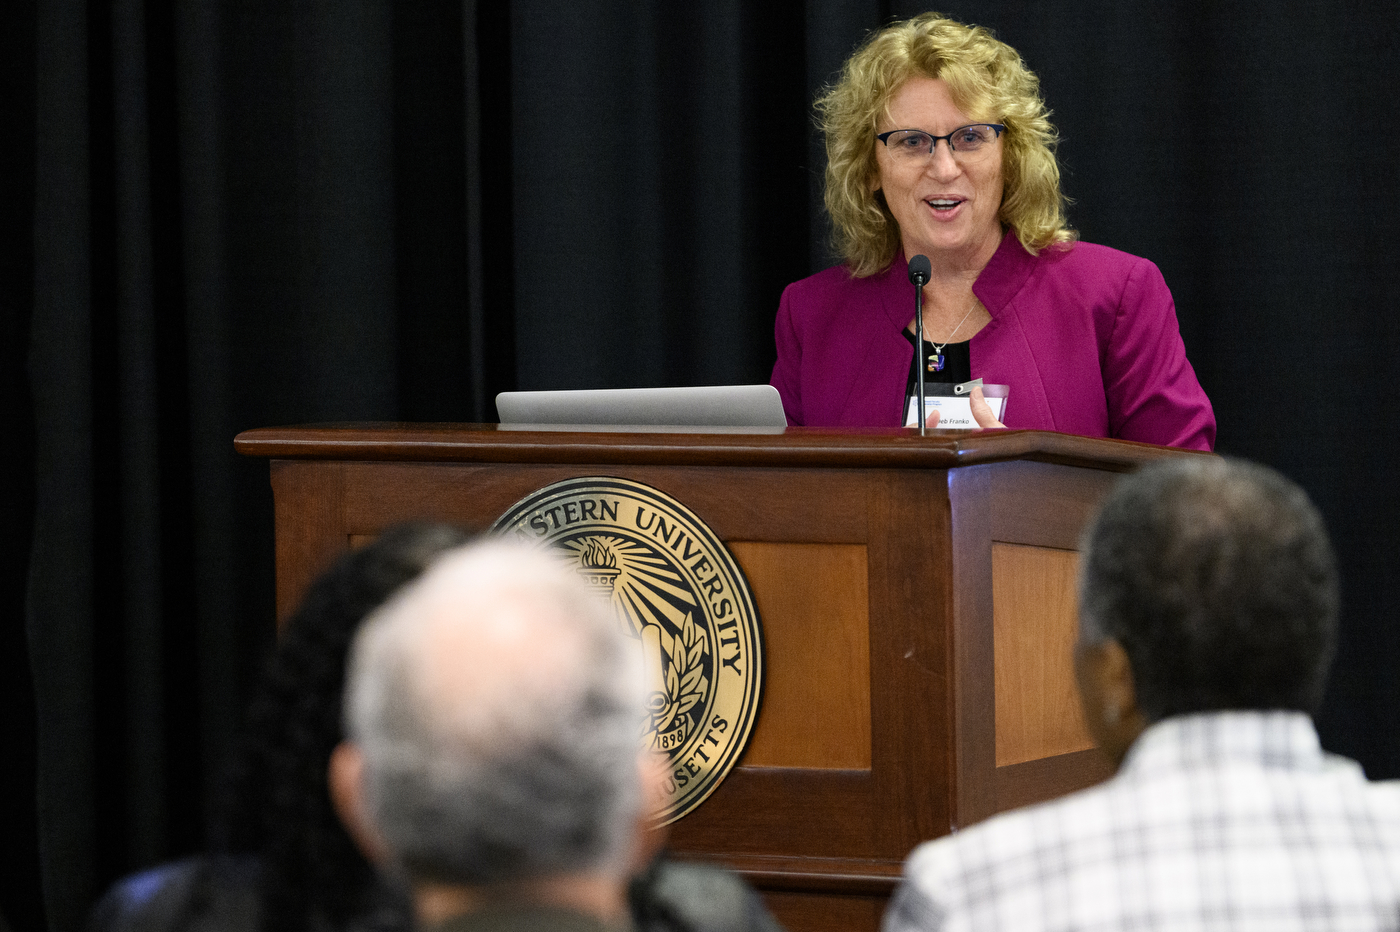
(492, 710)
(1214, 583)
(280, 806)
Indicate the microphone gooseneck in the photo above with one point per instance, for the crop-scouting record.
(920, 271)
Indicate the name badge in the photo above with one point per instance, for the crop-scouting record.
(954, 404)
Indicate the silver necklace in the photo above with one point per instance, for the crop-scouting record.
(936, 361)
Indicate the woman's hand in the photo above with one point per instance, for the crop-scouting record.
(981, 411)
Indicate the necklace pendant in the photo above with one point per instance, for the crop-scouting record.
(935, 362)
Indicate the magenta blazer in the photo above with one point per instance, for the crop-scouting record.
(1086, 337)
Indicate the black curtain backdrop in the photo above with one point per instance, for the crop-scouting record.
(241, 213)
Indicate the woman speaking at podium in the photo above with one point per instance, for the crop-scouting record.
(938, 144)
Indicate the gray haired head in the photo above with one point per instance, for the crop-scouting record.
(1218, 579)
(496, 703)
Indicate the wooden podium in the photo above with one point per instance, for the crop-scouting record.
(916, 596)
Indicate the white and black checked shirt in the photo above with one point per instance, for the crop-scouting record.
(1230, 820)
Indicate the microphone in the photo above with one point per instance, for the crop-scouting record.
(920, 271)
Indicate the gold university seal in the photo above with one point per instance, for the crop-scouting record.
(677, 590)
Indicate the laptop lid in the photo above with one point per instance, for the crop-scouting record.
(707, 408)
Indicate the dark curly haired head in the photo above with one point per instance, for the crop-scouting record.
(279, 807)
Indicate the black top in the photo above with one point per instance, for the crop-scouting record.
(957, 368)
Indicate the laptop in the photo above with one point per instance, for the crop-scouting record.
(702, 409)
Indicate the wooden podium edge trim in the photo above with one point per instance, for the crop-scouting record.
(892, 448)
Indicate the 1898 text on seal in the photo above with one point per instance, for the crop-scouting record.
(677, 590)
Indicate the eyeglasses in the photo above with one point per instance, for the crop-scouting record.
(915, 145)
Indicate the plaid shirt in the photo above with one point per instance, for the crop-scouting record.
(1229, 820)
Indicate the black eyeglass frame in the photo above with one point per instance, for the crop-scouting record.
(884, 138)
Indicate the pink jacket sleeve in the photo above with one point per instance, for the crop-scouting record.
(1152, 391)
(787, 370)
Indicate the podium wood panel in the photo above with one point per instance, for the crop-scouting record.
(915, 594)
(1033, 632)
(812, 601)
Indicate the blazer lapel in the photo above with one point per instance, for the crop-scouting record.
(1006, 341)
(876, 393)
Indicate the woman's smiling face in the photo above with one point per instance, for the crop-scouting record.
(948, 204)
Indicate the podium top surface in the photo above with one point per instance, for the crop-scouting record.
(800, 447)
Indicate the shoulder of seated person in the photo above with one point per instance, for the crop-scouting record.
(182, 895)
(708, 898)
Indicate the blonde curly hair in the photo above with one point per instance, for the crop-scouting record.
(986, 77)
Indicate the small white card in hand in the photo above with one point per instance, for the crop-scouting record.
(954, 404)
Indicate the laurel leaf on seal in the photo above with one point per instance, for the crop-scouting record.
(693, 637)
(695, 648)
(686, 683)
(687, 662)
(694, 696)
(672, 705)
(689, 680)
